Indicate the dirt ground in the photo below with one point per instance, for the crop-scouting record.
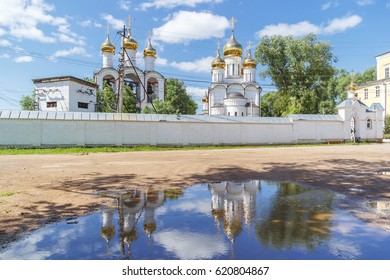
(40, 189)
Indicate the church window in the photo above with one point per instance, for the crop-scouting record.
(51, 104)
(233, 69)
(387, 72)
(366, 93)
(242, 114)
(369, 123)
(228, 113)
(82, 105)
(377, 91)
(235, 113)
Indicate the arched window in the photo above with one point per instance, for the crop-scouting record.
(369, 123)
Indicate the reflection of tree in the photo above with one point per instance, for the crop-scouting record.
(299, 216)
(173, 193)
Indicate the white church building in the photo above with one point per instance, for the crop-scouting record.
(233, 90)
(139, 80)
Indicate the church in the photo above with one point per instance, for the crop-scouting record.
(233, 90)
(140, 81)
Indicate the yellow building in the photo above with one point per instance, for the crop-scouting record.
(378, 91)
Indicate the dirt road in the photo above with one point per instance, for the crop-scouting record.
(40, 189)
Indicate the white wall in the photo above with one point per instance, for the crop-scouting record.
(46, 129)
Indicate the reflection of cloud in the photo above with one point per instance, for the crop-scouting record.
(199, 206)
(191, 245)
(344, 249)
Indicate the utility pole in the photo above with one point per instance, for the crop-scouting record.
(121, 71)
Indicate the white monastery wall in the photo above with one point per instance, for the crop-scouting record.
(24, 128)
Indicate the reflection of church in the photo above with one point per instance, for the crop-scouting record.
(134, 76)
(234, 203)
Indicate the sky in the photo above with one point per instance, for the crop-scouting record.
(48, 38)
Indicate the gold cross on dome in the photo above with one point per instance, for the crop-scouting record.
(129, 20)
(218, 45)
(233, 21)
(108, 28)
(249, 43)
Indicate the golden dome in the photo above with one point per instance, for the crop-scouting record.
(232, 48)
(107, 46)
(107, 233)
(249, 62)
(352, 86)
(130, 43)
(218, 62)
(205, 99)
(149, 50)
(150, 228)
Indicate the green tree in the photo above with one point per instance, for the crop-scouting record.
(301, 69)
(107, 100)
(387, 124)
(27, 102)
(177, 100)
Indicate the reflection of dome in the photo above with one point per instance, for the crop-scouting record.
(132, 199)
(149, 50)
(130, 236)
(232, 47)
(108, 233)
(130, 43)
(107, 46)
(150, 228)
(218, 62)
(235, 95)
(233, 229)
(249, 62)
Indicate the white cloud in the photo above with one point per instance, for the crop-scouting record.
(69, 52)
(68, 36)
(196, 92)
(186, 26)
(161, 61)
(202, 65)
(24, 58)
(330, 4)
(336, 25)
(5, 43)
(2, 32)
(169, 4)
(365, 2)
(113, 22)
(124, 5)
(90, 23)
(388, 5)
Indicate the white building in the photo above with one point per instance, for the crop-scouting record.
(66, 94)
(233, 90)
(139, 80)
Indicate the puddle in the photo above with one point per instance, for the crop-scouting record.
(227, 220)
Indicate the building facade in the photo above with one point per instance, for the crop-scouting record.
(379, 90)
(140, 81)
(66, 94)
(233, 90)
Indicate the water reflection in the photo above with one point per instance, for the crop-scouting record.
(222, 220)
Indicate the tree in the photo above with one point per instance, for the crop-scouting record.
(177, 101)
(27, 102)
(301, 69)
(107, 101)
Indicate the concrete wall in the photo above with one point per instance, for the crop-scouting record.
(31, 128)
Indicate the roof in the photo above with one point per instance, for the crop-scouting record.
(388, 52)
(63, 79)
(377, 107)
(349, 102)
(373, 83)
(79, 116)
(308, 117)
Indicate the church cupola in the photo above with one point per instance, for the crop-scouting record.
(232, 47)
(351, 94)
(218, 68)
(150, 56)
(131, 46)
(249, 66)
(232, 52)
(108, 52)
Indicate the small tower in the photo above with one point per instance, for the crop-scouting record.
(108, 52)
(130, 45)
(218, 68)
(205, 104)
(232, 52)
(149, 56)
(351, 94)
(249, 67)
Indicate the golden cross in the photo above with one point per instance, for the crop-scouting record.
(352, 75)
(108, 27)
(233, 21)
(218, 45)
(129, 20)
(249, 43)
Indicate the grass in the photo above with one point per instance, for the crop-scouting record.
(113, 149)
(7, 193)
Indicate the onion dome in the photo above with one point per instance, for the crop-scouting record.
(149, 50)
(232, 48)
(352, 86)
(108, 233)
(107, 46)
(150, 228)
(205, 99)
(218, 62)
(130, 43)
(249, 62)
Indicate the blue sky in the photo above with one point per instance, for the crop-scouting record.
(46, 38)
